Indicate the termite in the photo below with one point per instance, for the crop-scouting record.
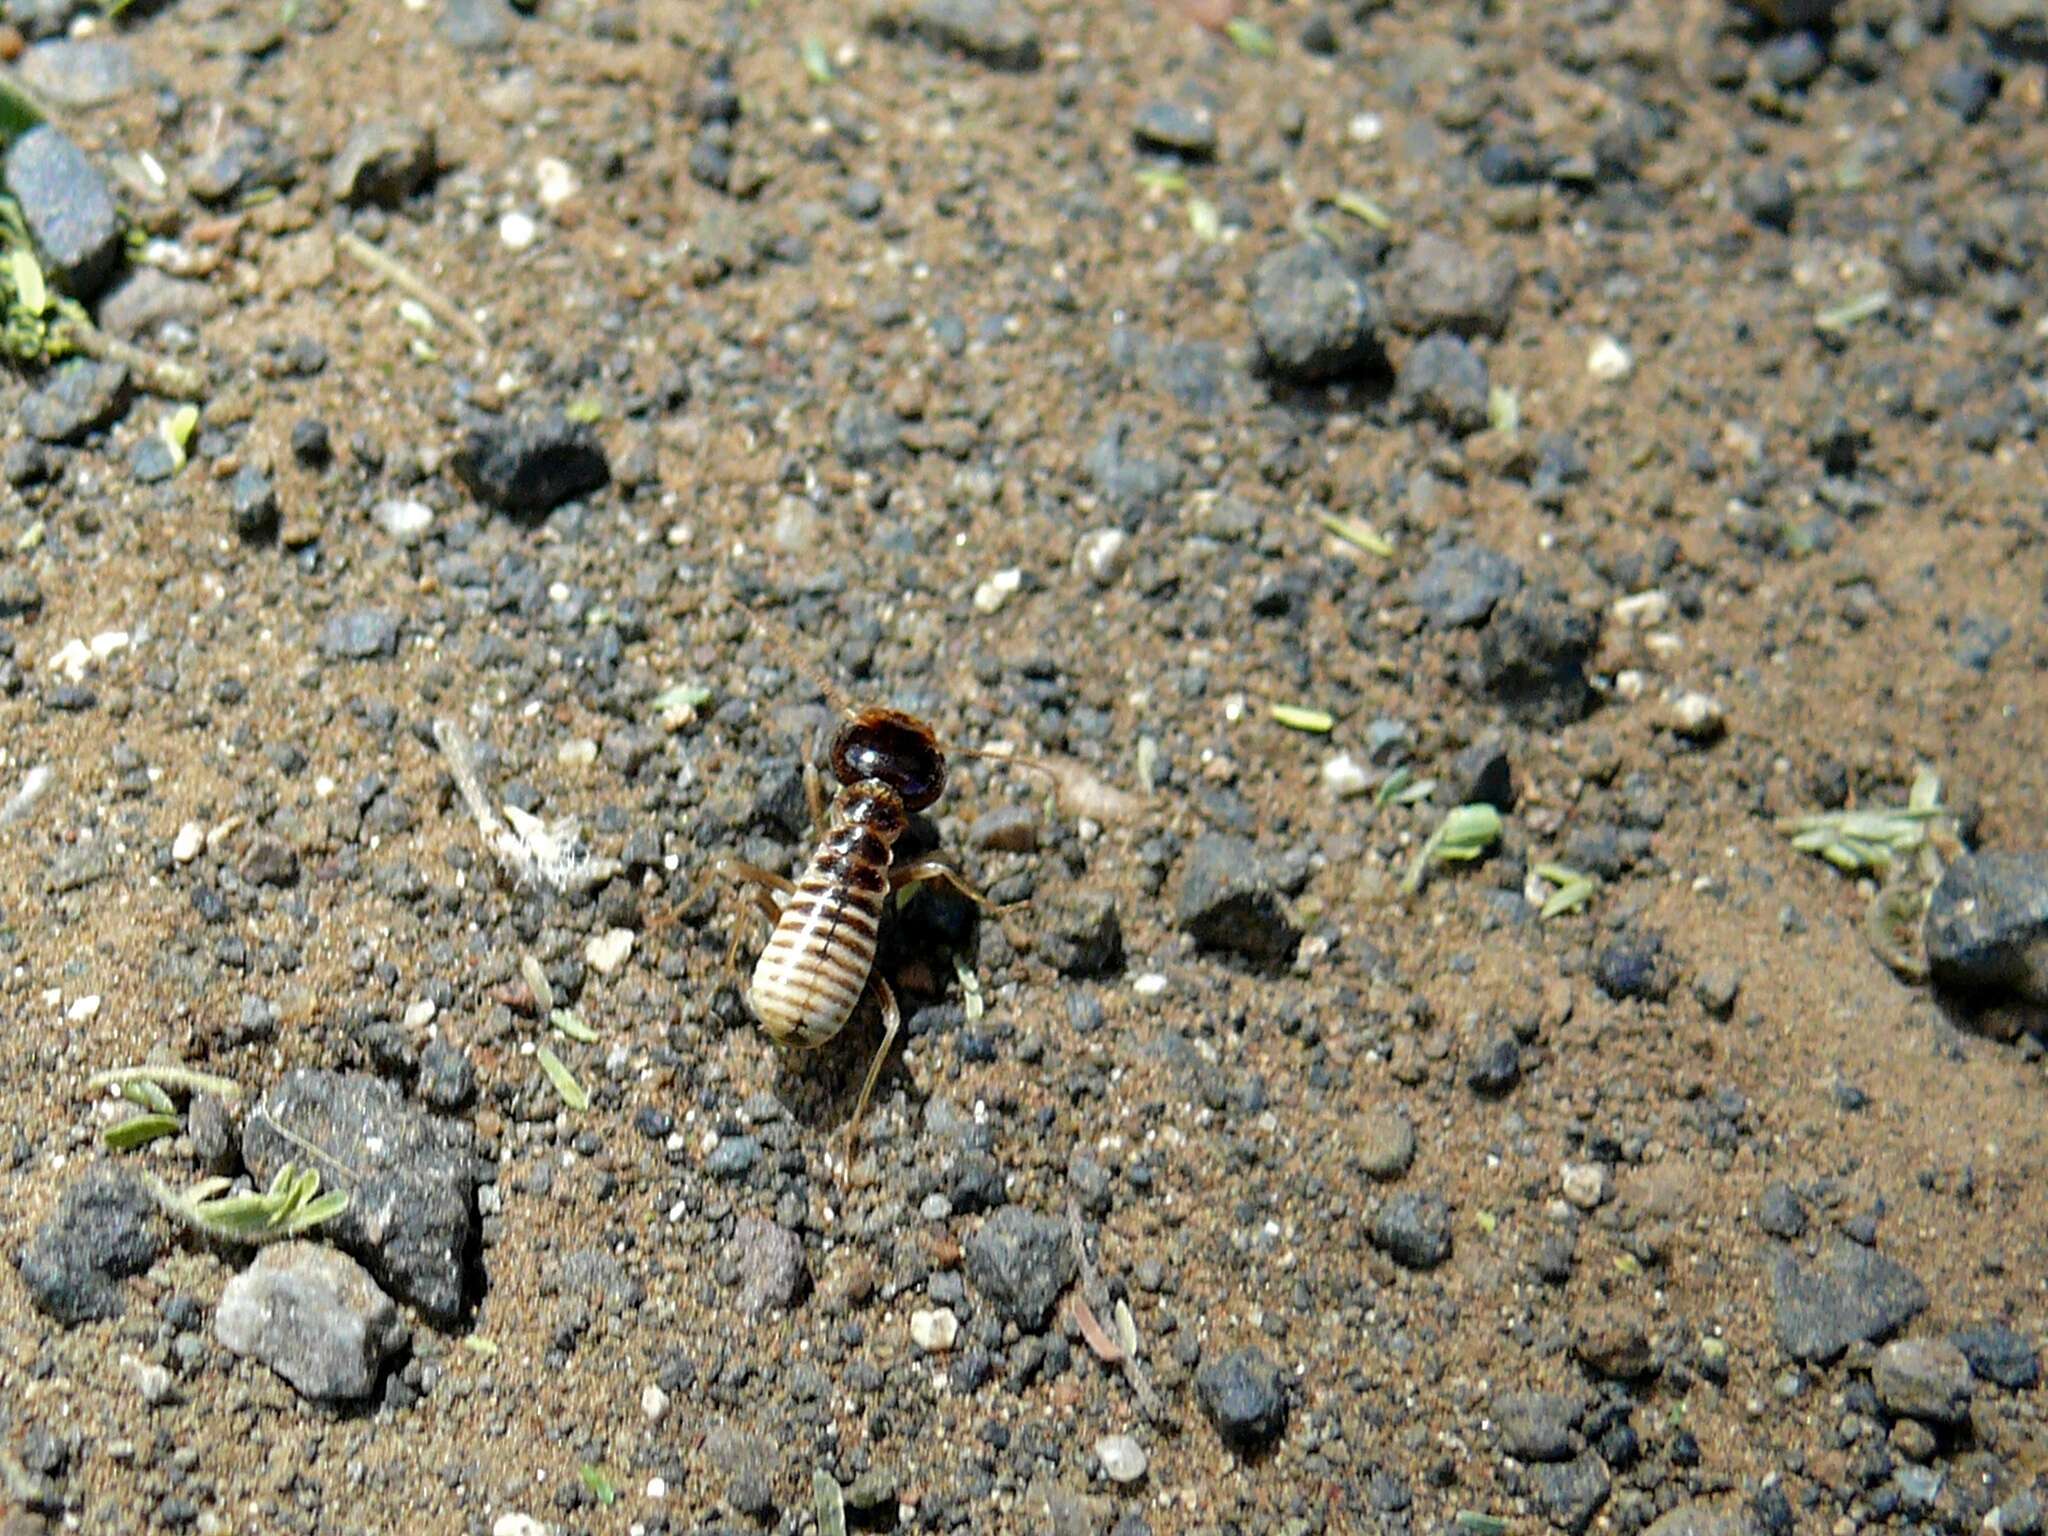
(820, 958)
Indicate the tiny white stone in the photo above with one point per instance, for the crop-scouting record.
(190, 841)
(1345, 776)
(555, 182)
(420, 1013)
(151, 1380)
(1697, 716)
(1102, 555)
(1121, 1457)
(1366, 128)
(72, 660)
(657, 1487)
(653, 1402)
(403, 518)
(608, 951)
(934, 1331)
(108, 641)
(576, 752)
(1609, 360)
(1643, 610)
(1586, 1185)
(997, 590)
(516, 1524)
(517, 230)
(1151, 984)
(83, 1008)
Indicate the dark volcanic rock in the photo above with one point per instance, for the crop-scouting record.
(771, 1265)
(1482, 775)
(1532, 659)
(1987, 927)
(998, 33)
(410, 1178)
(360, 634)
(1019, 1262)
(1245, 1397)
(1315, 315)
(68, 209)
(1999, 1355)
(1536, 1426)
(530, 466)
(1572, 1493)
(1187, 131)
(81, 397)
(1850, 1293)
(1462, 584)
(1081, 934)
(1414, 1230)
(105, 1229)
(1439, 285)
(1226, 902)
(1445, 380)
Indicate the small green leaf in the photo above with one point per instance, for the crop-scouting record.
(1296, 718)
(188, 1078)
(600, 1486)
(138, 1130)
(564, 1080)
(1252, 40)
(1573, 889)
(570, 1023)
(1847, 316)
(1363, 209)
(1473, 1523)
(19, 111)
(818, 65)
(477, 1344)
(1204, 220)
(148, 1095)
(1503, 410)
(680, 696)
(1355, 533)
(1161, 178)
(30, 291)
(1465, 833)
(585, 412)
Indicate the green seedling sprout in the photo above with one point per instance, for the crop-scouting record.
(1572, 889)
(1251, 39)
(1358, 534)
(563, 1079)
(1297, 718)
(1869, 841)
(818, 65)
(138, 1131)
(1401, 787)
(290, 1207)
(1363, 209)
(1465, 833)
(165, 1075)
(593, 1478)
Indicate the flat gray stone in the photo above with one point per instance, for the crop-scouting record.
(68, 209)
(1987, 927)
(79, 71)
(1849, 1293)
(315, 1317)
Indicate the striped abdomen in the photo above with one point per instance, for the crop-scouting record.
(810, 977)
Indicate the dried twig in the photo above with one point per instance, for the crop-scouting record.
(1091, 1285)
(410, 283)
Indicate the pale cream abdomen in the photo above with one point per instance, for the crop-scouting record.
(810, 977)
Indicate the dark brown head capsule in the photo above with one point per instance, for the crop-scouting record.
(889, 747)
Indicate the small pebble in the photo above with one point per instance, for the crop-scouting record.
(608, 951)
(1586, 1185)
(1345, 777)
(1122, 1458)
(990, 596)
(516, 231)
(935, 1330)
(1609, 361)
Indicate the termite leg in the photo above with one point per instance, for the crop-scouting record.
(933, 867)
(814, 793)
(892, 1020)
(767, 885)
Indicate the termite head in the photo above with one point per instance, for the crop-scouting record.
(886, 746)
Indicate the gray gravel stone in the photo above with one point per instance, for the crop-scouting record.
(771, 1264)
(1245, 1397)
(1315, 315)
(409, 1175)
(105, 1229)
(1572, 1492)
(1444, 379)
(79, 72)
(1781, 1212)
(149, 297)
(1997, 1354)
(1850, 1293)
(360, 634)
(1482, 774)
(1987, 927)
(1176, 128)
(998, 33)
(476, 26)
(1414, 1230)
(1536, 1426)
(1081, 933)
(1702, 1519)
(68, 209)
(1463, 584)
(1386, 1142)
(1226, 902)
(1533, 656)
(315, 1317)
(1019, 1262)
(1924, 1379)
(1439, 285)
(383, 161)
(528, 466)
(80, 398)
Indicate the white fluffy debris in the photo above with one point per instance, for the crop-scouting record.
(537, 852)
